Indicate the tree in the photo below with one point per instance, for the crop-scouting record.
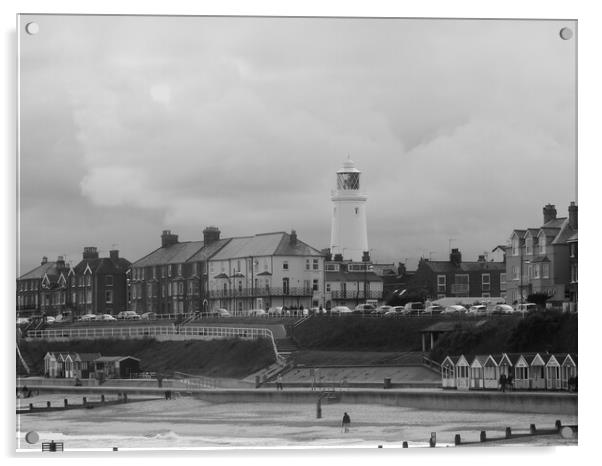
(539, 299)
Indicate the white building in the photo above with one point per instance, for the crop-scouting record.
(349, 233)
(265, 270)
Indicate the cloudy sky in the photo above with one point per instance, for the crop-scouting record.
(462, 129)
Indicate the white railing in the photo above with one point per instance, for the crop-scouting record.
(190, 331)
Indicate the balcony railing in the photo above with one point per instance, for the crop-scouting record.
(260, 292)
(354, 294)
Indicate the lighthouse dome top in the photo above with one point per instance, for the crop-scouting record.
(348, 167)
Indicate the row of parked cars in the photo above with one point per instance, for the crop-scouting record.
(418, 309)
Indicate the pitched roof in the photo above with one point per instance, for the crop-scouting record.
(49, 268)
(177, 253)
(475, 266)
(554, 223)
(540, 259)
(207, 251)
(265, 244)
(481, 359)
(88, 356)
(114, 358)
(550, 231)
(565, 233)
(103, 265)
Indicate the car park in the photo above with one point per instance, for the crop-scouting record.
(341, 310)
(128, 315)
(434, 309)
(454, 309)
(383, 309)
(526, 307)
(276, 311)
(478, 310)
(413, 309)
(500, 309)
(364, 309)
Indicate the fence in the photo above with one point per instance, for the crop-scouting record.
(189, 331)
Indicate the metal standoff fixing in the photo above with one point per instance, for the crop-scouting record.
(457, 439)
(483, 436)
(532, 429)
(508, 432)
(404, 445)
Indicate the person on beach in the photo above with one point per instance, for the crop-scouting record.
(279, 382)
(503, 382)
(346, 422)
(510, 382)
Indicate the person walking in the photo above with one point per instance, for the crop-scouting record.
(503, 382)
(279, 382)
(346, 422)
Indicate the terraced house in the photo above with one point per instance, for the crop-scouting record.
(239, 274)
(44, 289)
(544, 259)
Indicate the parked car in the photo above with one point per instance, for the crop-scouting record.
(22, 320)
(411, 309)
(221, 312)
(364, 309)
(526, 307)
(277, 311)
(399, 309)
(341, 310)
(64, 317)
(88, 317)
(257, 313)
(500, 309)
(128, 315)
(383, 309)
(391, 313)
(454, 309)
(434, 309)
(148, 316)
(105, 317)
(478, 310)
(50, 320)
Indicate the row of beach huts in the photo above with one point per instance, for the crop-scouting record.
(89, 365)
(527, 371)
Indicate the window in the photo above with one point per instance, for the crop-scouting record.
(190, 287)
(573, 273)
(515, 272)
(154, 273)
(486, 295)
(316, 264)
(163, 271)
(109, 296)
(332, 267)
(573, 249)
(74, 298)
(285, 265)
(328, 287)
(195, 268)
(485, 282)
(88, 280)
(285, 285)
(460, 285)
(441, 284)
(163, 290)
(356, 267)
(108, 280)
(529, 271)
(536, 271)
(169, 270)
(502, 282)
(169, 289)
(179, 270)
(305, 285)
(89, 296)
(315, 285)
(149, 290)
(515, 246)
(306, 264)
(542, 244)
(180, 288)
(529, 245)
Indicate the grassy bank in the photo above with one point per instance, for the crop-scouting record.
(218, 358)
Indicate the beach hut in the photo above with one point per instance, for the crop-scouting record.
(120, 367)
(477, 381)
(462, 373)
(448, 372)
(490, 373)
(84, 364)
(51, 365)
(68, 365)
(521, 371)
(504, 365)
(568, 369)
(537, 377)
(552, 371)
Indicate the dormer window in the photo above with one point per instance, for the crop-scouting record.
(529, 245)
(542, 244)
(515, 246)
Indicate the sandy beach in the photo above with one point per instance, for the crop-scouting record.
(186, 423)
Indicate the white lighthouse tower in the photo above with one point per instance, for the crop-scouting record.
(349, 232)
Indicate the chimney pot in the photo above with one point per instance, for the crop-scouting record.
(549, 213)
(167, 239)
(44, 260)
(573, 216)
(211, 235)
(114, 254)
(293, 237)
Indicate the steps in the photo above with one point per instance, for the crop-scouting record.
(285, 346)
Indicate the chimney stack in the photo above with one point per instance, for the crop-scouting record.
(338, 257)
(90, 252)
(573, 216)
(211, 235)
(366, 256)
(168, 239)
(114, 254)
(293, 237)
(60, 262)
(482, 258)
(455, 257)
(44, 260)
(549, 213)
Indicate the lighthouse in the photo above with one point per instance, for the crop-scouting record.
(349, 232)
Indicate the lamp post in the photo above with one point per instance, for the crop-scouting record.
(522, 294)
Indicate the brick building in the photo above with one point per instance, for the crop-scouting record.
(455, 278)
(44, 290)
(544, 259)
